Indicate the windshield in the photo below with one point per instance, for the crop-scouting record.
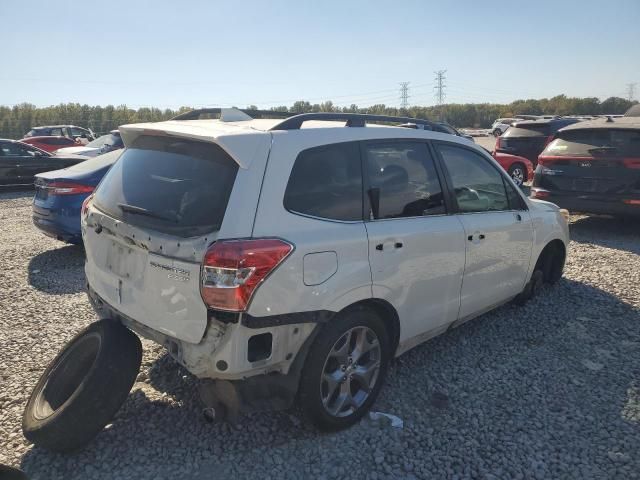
(109, 139)
(169, 184)
(596, 142)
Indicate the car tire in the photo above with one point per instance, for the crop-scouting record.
(518, 174)
(531, 289)
(83, 387)
(497, 132)
(329, 403)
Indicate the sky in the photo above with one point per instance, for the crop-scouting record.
(171, 53)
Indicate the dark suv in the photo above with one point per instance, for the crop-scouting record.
(529, 137)
(592, 167)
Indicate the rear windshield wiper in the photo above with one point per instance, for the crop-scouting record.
(143, 211)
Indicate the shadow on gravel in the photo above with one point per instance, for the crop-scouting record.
(12, 193)
(541, 391)
(59, 271)
(616, 233)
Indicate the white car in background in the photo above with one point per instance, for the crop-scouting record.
(103, 144)
(284, 260)
(501, 125)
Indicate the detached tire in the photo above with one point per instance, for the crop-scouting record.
(83, 387)
(344, 369)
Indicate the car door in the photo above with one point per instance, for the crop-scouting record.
(416, 250)
(31, 161)
(8, 164)
(497, 225)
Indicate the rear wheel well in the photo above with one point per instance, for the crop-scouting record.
(388, 314)
(551, 261)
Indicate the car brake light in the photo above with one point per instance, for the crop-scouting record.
(498, 143)
(68, 188)
(85, 205)
(631, 202)
(539, 193)
(631, 162)
(233, 269)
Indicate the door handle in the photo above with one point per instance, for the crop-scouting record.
(518, 217)
(398, 245)
(480, 237)
(380, 247)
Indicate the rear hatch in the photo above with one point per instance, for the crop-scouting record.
(598, 161)
(148, 226)
(525, 140)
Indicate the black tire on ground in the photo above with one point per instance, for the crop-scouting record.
(554, 266)
(531, 289)
(83, 387)
(311, 385)
(518, 167)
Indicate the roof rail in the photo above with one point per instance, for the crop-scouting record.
(352, 119)
(199, 112)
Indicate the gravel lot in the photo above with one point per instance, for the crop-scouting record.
(551, 390)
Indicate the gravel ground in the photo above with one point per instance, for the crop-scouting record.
(551, 390)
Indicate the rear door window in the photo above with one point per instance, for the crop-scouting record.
(168, 184)
(326, 182)
(404, 179)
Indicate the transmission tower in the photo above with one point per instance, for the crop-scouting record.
(440, 86)
(404, 95)
(631, 90)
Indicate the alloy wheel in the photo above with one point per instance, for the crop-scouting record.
(350, 371)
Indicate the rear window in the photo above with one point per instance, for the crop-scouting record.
(326, 182)
(596, 142)
(528, 131)
(168, 184)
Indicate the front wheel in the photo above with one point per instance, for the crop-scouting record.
(518, 174)
(344, 369)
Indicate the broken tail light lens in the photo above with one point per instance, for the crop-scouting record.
(85, 205)
(232, 270)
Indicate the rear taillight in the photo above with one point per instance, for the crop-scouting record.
(498, 143)
(85, 205)
(632, 202)
(68, 188)
(233, 269)
(539, 193)
(631, 162)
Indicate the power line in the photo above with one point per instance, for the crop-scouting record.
(404, 95)
(631, 90)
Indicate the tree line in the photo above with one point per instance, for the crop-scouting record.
(17, 120)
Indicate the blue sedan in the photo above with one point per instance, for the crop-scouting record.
(60, 193)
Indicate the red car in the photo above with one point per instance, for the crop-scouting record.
(50, 143)
(520, 169)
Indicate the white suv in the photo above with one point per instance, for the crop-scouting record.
(285, 259)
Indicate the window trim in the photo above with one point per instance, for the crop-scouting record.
(487, 158)
(366, 181)
(326, 219)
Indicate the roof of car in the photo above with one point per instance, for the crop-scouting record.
(242, 138)
(57, 126)
(544, 121)
(631, 123)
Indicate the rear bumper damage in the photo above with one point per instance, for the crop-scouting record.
(241, 369)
